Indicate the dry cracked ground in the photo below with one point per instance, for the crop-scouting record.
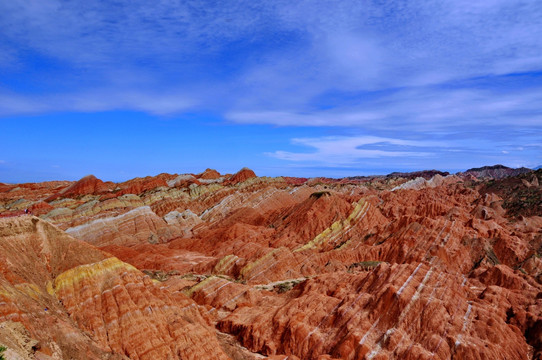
(208, 266)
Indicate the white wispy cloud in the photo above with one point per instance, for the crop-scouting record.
(374, 152)
(96, 101)
(420, 109)
(344, 150)
(256, 56)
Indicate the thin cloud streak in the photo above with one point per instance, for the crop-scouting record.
(358, 152)
(341, 150)
(417, 109)
(96, 101)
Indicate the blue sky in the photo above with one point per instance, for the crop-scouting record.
(303, 88)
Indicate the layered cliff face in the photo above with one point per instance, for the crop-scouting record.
(409, 266)
(393, 311)
(86, 186)
(140, 225)
(73, 301)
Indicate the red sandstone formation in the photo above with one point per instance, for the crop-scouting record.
(295, 180)
(87, 185)
(209, 174)
(183, 181)
(137, 226)
(31, 191)
(140, 185)
(6, 187)
(240, 176)
(40, 208)
(391, 267)
(78, 302)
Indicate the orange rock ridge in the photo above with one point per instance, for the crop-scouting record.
(79, 302)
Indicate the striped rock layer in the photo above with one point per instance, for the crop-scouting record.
(405, 266)
(77, 302)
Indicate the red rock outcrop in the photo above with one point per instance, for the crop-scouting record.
(242, 175)
(40, 208)
(399, 311)
(295, 180)
(85, 186)
(78, 302)
(140, 185)
(209, 174)
(183, 181)
(137, 226)
(6, 187)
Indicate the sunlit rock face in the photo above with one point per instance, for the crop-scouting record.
(407, 266)
(140, 225)
(240, 176)
(209, 174)
(86, 186)
(78, 302)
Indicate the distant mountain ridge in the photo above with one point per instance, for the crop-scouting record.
(522, 194)
(92, 185)
(485, 172)
(493, 172)
(426, 174)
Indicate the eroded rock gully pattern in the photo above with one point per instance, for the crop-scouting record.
(76, 302)
(406, 266)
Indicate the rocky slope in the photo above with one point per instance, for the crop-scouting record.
(522, 195)
(409, 266)
(493, 172)
(73, 301)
